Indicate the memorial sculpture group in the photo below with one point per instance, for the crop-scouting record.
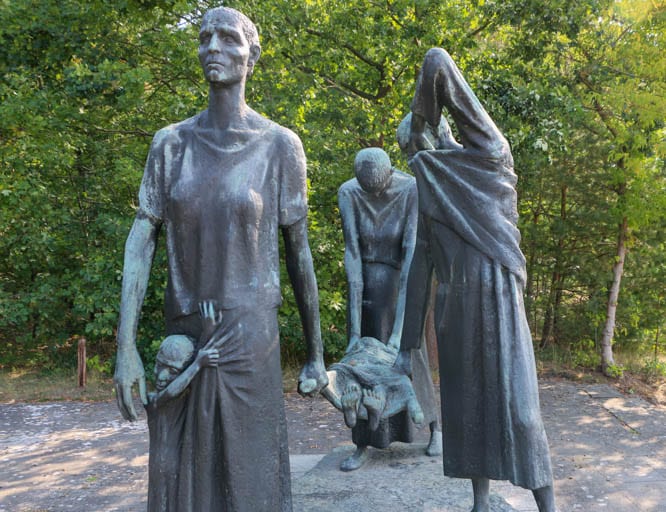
(223, 185)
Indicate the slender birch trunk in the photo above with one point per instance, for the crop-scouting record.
(618, 269)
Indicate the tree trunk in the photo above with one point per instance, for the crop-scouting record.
(548, 333)
(609, 328)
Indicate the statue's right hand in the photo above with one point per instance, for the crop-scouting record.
(129, 370)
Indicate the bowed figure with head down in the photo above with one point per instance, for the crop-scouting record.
(379, 214)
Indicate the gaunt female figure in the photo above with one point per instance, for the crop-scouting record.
(223, 185)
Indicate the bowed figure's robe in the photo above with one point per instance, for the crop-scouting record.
(221, 203)
(381, 232)
(491, 419)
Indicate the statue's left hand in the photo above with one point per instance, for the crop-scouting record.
(129, 370)
(313, 378)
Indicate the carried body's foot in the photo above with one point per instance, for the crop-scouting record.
(350, 400)
(374, 401)
(435, 445)
(355, 460)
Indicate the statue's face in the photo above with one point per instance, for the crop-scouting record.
(167, 369)
(224, 51)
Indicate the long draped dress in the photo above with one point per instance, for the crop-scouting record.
(221, 203)
(491, 419)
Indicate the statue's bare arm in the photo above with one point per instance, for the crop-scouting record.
(353, 270)
(301, 273)
(408, 247)
(139, 252)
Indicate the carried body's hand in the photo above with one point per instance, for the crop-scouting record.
(208, 357)
(403, 363)
(313, 378)
(129, 371)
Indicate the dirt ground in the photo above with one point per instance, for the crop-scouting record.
(608, 452)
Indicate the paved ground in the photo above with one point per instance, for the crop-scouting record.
(608, 450)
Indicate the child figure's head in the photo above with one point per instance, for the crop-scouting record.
(175, 354)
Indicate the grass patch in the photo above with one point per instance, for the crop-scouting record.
(57, 385)
(53, 385)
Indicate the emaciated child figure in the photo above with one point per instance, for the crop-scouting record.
(176, 365)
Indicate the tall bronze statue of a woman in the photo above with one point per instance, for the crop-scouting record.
(467, 235)
(223, 185)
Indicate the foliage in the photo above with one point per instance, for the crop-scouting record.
(577, 87)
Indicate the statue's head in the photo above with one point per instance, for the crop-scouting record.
(440, 138)
(228, 46)
(176, 352)
(373, 169)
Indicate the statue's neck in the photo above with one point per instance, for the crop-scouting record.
(226, 106)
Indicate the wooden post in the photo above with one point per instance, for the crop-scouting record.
(81, 353)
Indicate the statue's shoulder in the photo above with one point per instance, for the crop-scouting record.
(403, 181)
(173, 134)
(349, 188)
(282, 136)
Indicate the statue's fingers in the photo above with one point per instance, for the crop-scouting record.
(124, 393)
(121, 404)
(201, 309)
(142, 390)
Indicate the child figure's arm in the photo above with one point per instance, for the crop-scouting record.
(205, 357)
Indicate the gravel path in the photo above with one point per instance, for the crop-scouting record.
(608, 450)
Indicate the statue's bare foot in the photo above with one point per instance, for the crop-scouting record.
(351, 398)
(374, 401)
(435, 445)
(355, 460)
(415, 411)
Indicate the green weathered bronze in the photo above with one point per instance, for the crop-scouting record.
(222, 186)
